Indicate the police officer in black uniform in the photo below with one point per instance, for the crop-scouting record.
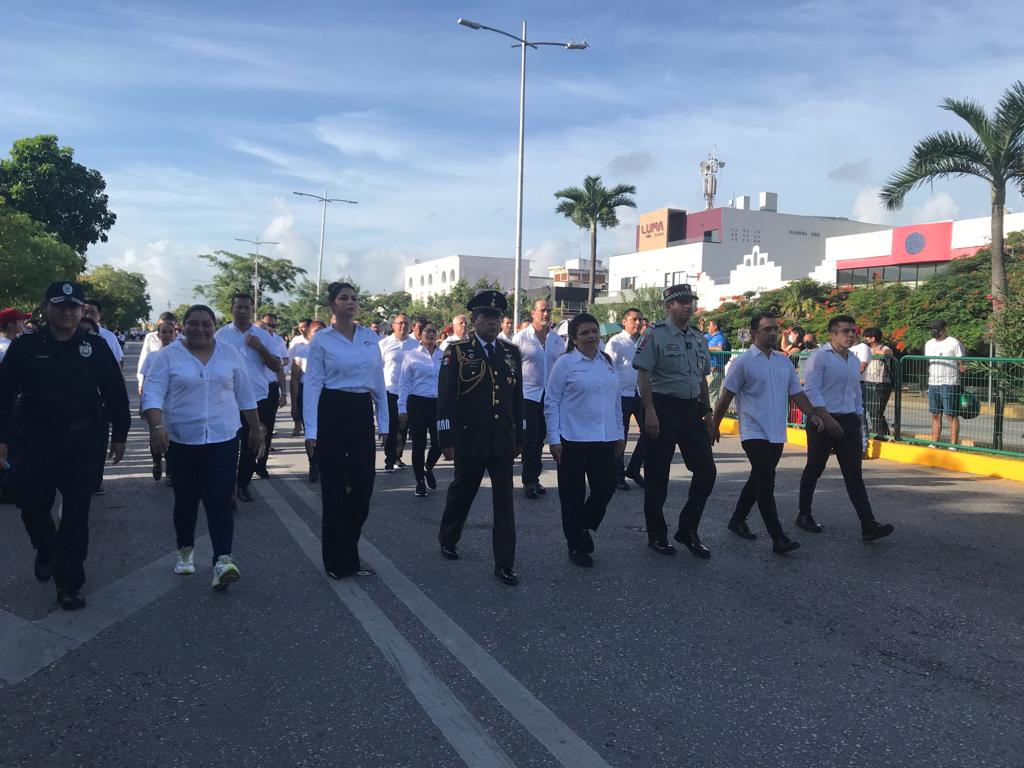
(66, 377)
(480, 424)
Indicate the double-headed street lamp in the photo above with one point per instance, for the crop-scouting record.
(524, 43)
(323, 223)
(256, 267)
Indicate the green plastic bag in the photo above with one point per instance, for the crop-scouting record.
(969, 407)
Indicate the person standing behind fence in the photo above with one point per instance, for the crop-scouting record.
(621, 349)
(944, 381)
(417, 404)
(191, 397)
(832, 383)
(877, 381)
(583, 412)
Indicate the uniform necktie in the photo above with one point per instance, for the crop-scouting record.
(489, 351)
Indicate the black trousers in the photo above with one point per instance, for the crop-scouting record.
(345, 452)
(681, 425)
(266, 412)
(49, 460)
(268, 418)
(876, 398)
(536, 432)
(632, 407)
(422, 412)
(394, 445)
(204, 473)
(297, 407)
(849, 453)
(583, 463)
(760, 486)
(469, 471)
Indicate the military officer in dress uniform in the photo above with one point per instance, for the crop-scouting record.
(672, 362)
(66, 377)
(480, 424)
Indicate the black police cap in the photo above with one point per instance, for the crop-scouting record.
(65, 292)
(494, 301)
(681, 291)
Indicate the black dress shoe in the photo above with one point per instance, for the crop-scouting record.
(637, 478)
(740, 528)
(622, 485)
(530, 491)
(431, 480)
(262, 474)
(581, 558)
(389, 468)
(692, 542)
(784, 544)
(662, 547)
(875, 530)
(507, 576)
(449, 552)
(243, 493)
(400, 464)
(421, 489)
(43, 567)
(588, 543)
(70, 600)
(808, 523)
(540, 488)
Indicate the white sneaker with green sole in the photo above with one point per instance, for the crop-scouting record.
(224, 572)
(186, 565)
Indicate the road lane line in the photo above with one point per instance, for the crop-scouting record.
(557, 737)
(463, 731)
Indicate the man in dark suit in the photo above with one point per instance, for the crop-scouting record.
(480, 425)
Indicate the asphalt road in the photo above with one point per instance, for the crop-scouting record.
(904, 652)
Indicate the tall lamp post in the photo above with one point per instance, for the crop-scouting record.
(523, 43)
(323, 223)
(256, 268)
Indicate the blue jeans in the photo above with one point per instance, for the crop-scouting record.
(204, 473)
(944, 398)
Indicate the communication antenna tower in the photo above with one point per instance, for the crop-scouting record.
(708, 169)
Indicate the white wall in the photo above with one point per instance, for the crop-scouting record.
(438, 275)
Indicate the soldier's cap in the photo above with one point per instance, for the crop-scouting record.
(64, 292)
(492, 302)
(937, 324)
(681, 291)
(13, 315)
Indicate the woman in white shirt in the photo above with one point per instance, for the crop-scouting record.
(192, 396)
(167, 334)
(583, 412)
(343, 381)
(417, 403)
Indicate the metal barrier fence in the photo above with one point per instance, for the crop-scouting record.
(981, 397)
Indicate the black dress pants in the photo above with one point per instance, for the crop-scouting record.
(49, 460)
(849, 453)
(422, 412)
(760, 486)
(345, 452)
(266, 412)
(394, 444)
(681, 425)
(583, 463)
(268, 418)
(876, 398)
(632, 407)
(536, 432)
(469, 471)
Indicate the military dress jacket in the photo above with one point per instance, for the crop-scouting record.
(480, 404)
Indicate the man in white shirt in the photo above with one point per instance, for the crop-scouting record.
(392, 350)
(301, 335)
(620, 349)
(862, 351)
(539, 347)
(94, 309)
(256, 347)
(506, 329)
(944, 381)
(832, 383)
(459, 330)
(277, 386)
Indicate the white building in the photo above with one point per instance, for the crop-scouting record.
(427, 278)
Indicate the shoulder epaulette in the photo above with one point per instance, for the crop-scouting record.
(659, 324)
(459, 341)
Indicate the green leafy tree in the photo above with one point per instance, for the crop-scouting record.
(30, 259)
(234, 274)
(994, 152)
(591, 205)
(382, 307)
(648, 299)
(124, 295)
(43, 180)
(442, 307)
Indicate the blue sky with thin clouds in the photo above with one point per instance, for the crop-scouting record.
(204, 117)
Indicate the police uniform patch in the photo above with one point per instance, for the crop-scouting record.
(85, 348)
(68, 290)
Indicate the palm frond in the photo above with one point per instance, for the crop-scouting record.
(974, 115)
(936, 157)
(571, 193)
(1008, 119)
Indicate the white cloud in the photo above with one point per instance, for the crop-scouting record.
(938, 207)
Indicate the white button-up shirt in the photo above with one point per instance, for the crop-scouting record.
(762, 385)
(200, 402)
(115, 346)
(833, 382)
(298, 352)
(620, 348)
(537, 360)
(280, 349)
(582, 402)
(393, 352)
(150, 344)
(420, 371)
(255, 368)
(334, 362)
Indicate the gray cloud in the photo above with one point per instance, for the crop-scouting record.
(855, 171)
(630, 164)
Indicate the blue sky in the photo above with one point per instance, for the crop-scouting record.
(204, 117)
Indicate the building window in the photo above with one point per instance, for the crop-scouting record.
(668, 279)
(444, 277)
(422, 281)
(627, 283)
(430, 279)
(680, 277)
(453, 276)
(410, 282)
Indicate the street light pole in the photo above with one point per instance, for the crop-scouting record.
(523, 42)
(323, 224)
(256, 267)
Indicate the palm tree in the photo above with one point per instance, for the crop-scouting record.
(591, 205)
(994, 152)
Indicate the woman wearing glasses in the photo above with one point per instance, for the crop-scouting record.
(417, 403)
(344, 380)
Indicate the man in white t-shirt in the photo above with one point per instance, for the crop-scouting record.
(460, 327)
(862, 351)
(944, 380)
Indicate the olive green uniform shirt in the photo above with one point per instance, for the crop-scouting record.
(676, 360)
